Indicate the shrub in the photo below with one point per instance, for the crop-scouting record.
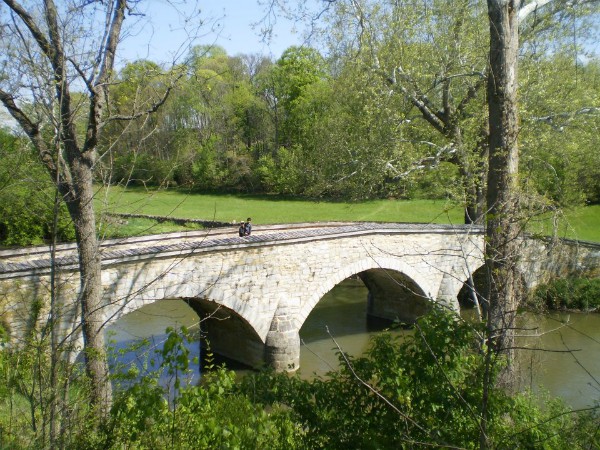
(151, 414)
(27, 198)
(424, 390)
(568, 293)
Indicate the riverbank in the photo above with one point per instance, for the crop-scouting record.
(567, 295)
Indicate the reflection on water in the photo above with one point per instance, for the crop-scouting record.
(567, 364)
(573, 376)
(150, 323)
(340, 315)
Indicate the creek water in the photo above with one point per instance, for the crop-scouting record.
(562, 354)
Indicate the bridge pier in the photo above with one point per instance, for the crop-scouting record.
(447, 295)
(227, 334)
(282, 345)
(282, 349)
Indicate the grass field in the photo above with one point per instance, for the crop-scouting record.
(581, 223)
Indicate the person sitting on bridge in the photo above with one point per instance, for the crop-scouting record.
(248, 228)
(242, 229)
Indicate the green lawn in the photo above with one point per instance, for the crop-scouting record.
(583, 223)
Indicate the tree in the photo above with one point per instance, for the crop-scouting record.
(439, 69)
(57, 71)
(426, 57)
(559, 119)
(502, 221)
(68, 156)
(502, 218)
(430, 56)
(502, 228)
(26, 197)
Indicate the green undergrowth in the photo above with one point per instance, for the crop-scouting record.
(424, 391)
(420, 391)
(580, 294)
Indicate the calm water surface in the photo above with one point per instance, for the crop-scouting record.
(573, 376)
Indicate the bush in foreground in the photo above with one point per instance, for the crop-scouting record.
(421, 390)
(414, 392)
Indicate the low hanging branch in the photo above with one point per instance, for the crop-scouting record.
(566, 117)
(429, 162)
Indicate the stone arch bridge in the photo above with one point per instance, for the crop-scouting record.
(256, 292)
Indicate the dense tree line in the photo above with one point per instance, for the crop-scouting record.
(313, 126)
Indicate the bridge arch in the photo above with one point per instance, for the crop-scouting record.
(383, 277)
(227, 332)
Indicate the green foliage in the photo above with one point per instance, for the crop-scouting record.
(424, 390)
(354, 132)
(553, 426)
(212, 414)
(146, 414)
(559, 138)
(27, 198)
(283, 173)
(421, 405)
(441, 183)
(39, 388)
(568, 293)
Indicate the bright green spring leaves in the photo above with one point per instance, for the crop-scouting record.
(425, 389)
(414, 392)
(153, 413)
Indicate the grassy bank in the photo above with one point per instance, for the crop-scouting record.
(272, 210)
(581, 223)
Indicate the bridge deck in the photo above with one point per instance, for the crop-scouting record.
(16, 262)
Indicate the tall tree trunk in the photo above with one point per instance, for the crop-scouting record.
(81, 209)
(502, 228)
(75, 184)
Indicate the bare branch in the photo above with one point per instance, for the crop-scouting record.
(417, 98)
(31, 129)
(531, 7)
(154, 107)
(426, 162)
(100, 84)
(551, 119)
(33, 28)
